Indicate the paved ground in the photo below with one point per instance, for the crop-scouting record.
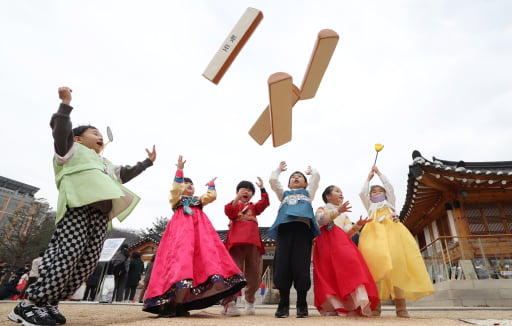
(86, 314)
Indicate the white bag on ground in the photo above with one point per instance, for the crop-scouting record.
(107, 289)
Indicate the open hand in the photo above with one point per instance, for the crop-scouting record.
(181, 163)
(211, 182)
(151, 154)
(345, 207)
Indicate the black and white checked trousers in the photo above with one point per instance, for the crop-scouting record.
(71, 256)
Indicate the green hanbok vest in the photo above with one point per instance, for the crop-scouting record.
(88, 178)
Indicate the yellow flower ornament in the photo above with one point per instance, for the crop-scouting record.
(378, 148)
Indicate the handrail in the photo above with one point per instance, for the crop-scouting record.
(492, 236)
(469, 257)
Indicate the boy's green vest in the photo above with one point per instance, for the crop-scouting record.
(88, 178)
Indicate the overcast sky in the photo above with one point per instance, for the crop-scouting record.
(435, 76)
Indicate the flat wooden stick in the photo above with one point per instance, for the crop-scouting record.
(261, 129)
(322, 52)
(232, 45)
(280, 99)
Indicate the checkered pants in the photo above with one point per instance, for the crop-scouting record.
(71, 256)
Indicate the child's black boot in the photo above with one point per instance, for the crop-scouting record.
(302, 304)
(283, 309)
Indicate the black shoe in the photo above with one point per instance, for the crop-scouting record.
(282, 310)
(54, 312)
(31, 314)
(181, 312)
(302, 310)
(167, 311)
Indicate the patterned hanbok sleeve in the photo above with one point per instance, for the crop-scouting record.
(176, 188)
(325, 215)
(210, 195)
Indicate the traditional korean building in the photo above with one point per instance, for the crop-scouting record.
(461, 215)
(147, 246)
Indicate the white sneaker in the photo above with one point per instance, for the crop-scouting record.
(329, 313)
(230, 309)
(249, 308)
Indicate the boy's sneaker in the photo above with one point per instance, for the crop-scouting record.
(231, 310)
(249, 308)
(54, 312)
(31, 315)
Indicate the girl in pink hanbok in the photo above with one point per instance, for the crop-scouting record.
(192, 268)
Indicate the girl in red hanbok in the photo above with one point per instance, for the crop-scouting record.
(192, 268)
(343, 284)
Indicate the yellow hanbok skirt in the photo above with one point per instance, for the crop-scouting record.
(394, 259)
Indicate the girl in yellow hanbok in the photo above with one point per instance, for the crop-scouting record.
(390, 250)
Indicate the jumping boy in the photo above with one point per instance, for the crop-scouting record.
(91, 194)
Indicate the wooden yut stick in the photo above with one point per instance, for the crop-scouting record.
(280, 95)
(261, 129)
(232, 45)
(320, 57)
(323, 50)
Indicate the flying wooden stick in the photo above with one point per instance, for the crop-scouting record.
(322, 52)
(232, 45)
(320, 57)
(280, 95)
(262, 129)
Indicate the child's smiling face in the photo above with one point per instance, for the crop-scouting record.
(335, 197)
(297, 181)
(91, 138)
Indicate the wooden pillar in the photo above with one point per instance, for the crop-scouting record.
(462, 228)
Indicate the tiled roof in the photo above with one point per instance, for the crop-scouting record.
(429, 182)
(151, 237)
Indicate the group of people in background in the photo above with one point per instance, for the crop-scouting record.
(127, 272)
(193, 268)
(20, 280)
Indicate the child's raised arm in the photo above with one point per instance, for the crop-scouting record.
(274, 180)
(211, 194)
(314, 181)
(127, 172)
(61, 123)
(177, 185)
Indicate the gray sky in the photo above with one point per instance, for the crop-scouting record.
(435, 76)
